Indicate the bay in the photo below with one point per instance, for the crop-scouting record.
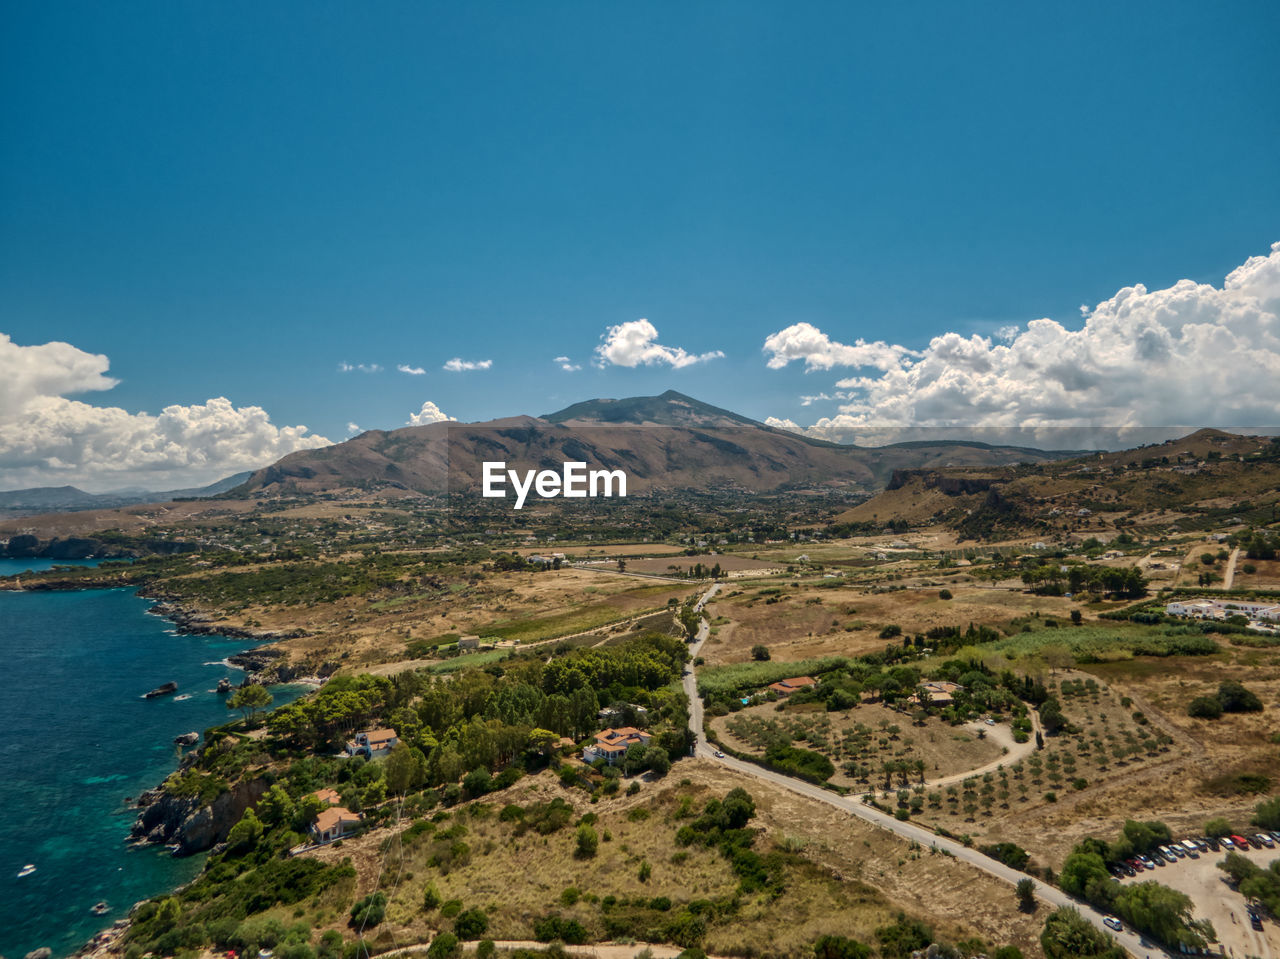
(78, 739)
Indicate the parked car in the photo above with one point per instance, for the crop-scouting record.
(1129, 870)
(719, 754)
(1266, 840)
(1226, 842)
(1111, 922)
(1241, 842)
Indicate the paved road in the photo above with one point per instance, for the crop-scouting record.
(1130, 940)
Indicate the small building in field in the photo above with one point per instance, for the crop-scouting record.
(468, 642)
(940, 693)
(785, 687)
(373, 743)
(334, 823)
(329, 797)
(612, 744)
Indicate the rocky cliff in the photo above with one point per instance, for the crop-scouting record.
(192, 826)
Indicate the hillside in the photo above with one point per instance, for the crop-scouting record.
(670, 441)
(1205, 479)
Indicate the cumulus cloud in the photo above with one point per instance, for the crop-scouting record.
(566, 364)
(1189, 355)
(46, 438)
(353, 428)
(635, 343)
(411, 370)
(345, 367)
(804, 341)
(458, 365)
(430, 413)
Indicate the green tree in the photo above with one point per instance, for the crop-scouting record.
(471, 924)
(588, 842)
(245, 834)
(658, 761)
(431, 898)
(1217, 827)
(1163, 913)
(1069, 935)
(406, 769)
(249, 699)
(1026, 891)
(369, 911)
(760, 653)
(1267, 813)
(1236, 699)
(444, 946)
(1205, 707)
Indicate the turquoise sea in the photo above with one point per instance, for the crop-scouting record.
(77, 739)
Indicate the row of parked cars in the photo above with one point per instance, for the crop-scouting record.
(1192, 848)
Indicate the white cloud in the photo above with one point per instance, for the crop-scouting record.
(47, 439)
(804, 341)
(430, 413)
(457, 365)
(353, 428)
(634, 343)
(784, 424)
(345, 367)
(411, 370)
(1189, 355)
(566, 364)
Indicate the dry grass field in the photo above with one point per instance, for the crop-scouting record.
(842, 876)
(679, 565)
(523, 607)
(813, 620)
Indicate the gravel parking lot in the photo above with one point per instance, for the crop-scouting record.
(1203, 881)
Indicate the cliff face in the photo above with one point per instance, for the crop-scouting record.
(188, 824)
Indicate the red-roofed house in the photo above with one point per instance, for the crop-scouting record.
(329, 797)
(612, 744)
(785, 687)
(334, 823)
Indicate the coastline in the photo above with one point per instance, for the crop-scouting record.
(258, 664)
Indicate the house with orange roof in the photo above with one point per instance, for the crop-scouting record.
(329, 797)
(334, 823)
(612, 744)
(785, 687)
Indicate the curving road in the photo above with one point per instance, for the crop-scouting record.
(1135, 944)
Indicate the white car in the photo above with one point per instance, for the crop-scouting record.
(718, 754)
(1111, 922)
(990, 722)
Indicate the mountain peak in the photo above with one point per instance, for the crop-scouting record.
(671, 408)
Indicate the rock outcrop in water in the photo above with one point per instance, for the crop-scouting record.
(189, 824)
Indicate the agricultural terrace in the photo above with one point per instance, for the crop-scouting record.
(868, 745)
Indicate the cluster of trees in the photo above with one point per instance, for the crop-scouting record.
(490, 718)
(1231, 697)
(723, 826)
(1253, 881)
(1151, 908)
(1118, 582)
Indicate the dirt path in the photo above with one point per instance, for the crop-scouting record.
(1003, 735)
(1229, 576)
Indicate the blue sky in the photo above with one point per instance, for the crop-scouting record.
(234, 200)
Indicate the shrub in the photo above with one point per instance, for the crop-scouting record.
(444, 946)
(1218, 827)
(944, 594)
(588, 842)
(471, 924)
(486, 949)
(839, 947)
(451, 908)
(1205, 707)
(1236, 699)
(1267, 813)
(760, 653)
(369, 911)
(430, 896)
